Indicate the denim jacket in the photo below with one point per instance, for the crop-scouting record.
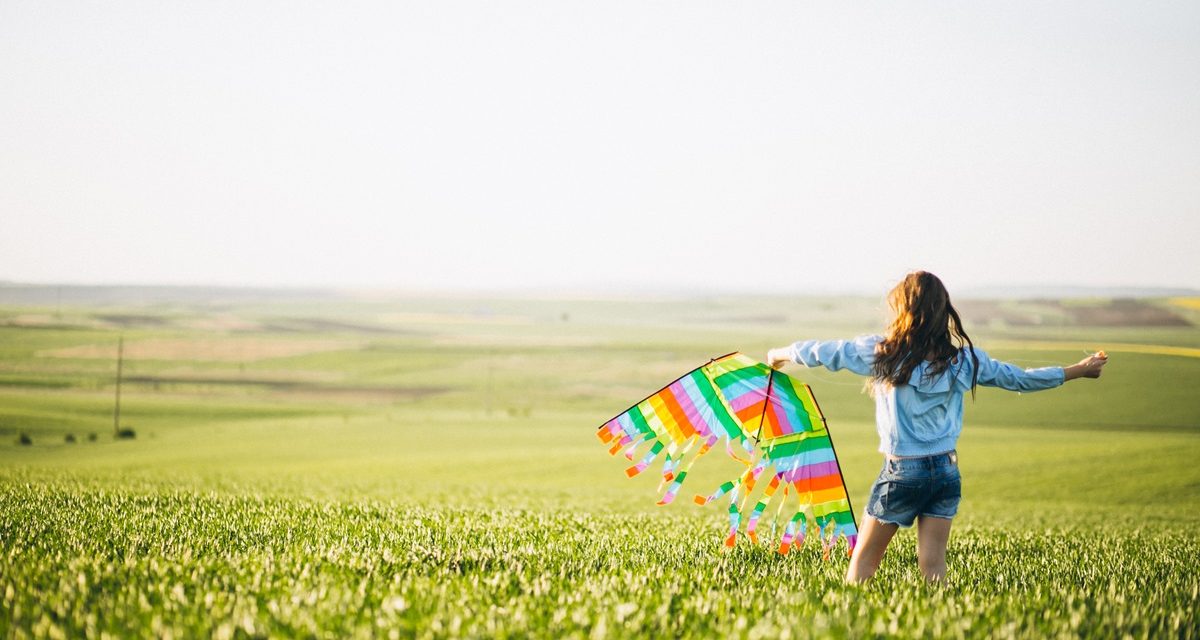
(925, 416)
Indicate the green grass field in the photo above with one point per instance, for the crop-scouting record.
(428, 467)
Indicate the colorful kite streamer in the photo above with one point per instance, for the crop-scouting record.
(775, 423)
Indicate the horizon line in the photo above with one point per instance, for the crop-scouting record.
(626, 290)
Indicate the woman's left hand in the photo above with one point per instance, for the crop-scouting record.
(1089, 367)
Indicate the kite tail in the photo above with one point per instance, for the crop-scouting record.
(828, 537)
(750, 478)
(735, 516)
(721, 490)
(848, 532)
(618, 443)
(645, 462)
(673, 489)
(744, 484)
(637, 442)
(608, 431)
(670, 464)
(779, 510)
(789, 533)
(745, 445)
(752, 525)
(674, 459)
(745, 479)
(801, 527)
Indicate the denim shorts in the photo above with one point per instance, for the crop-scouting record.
(911, 487)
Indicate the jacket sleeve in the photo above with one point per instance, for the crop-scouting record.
(994, 373)
(835, 355)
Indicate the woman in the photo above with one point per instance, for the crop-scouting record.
(918, 372)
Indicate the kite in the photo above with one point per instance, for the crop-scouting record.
(769, 422)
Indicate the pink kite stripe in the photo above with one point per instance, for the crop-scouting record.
(779, 412)
(703, 410)
(815, 470)
(684, 398)
(747, 399)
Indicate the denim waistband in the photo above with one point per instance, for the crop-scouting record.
(937, 460)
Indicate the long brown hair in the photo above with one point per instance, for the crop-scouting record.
(925, 327)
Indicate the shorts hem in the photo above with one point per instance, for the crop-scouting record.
(937, 515)
(895, 522)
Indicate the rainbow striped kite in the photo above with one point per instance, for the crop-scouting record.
(770, 417)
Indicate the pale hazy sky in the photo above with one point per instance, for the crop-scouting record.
(751, 145)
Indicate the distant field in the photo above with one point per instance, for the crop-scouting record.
(354, 466)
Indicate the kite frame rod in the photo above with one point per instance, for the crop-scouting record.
(767, 403)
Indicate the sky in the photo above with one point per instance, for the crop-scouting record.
(646, 145)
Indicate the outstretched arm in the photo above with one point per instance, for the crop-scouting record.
(835, 355)
(994, 373)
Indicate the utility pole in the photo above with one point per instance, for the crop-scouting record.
(117, 406)
(487, 403)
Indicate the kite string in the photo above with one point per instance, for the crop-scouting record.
(1052, 363)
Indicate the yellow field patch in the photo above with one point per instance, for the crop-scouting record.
(1186, 303)
(1086, 347)
(217, 349)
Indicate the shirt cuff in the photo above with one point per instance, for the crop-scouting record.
(796, 350)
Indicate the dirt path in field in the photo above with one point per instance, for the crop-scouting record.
(210, 349)
(297, 387)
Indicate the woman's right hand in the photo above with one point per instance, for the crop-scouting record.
(776, 358)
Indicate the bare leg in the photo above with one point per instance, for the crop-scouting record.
(932, 535)
(873, 540)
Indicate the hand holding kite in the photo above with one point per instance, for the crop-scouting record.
(1090, 367)
(776, 358)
